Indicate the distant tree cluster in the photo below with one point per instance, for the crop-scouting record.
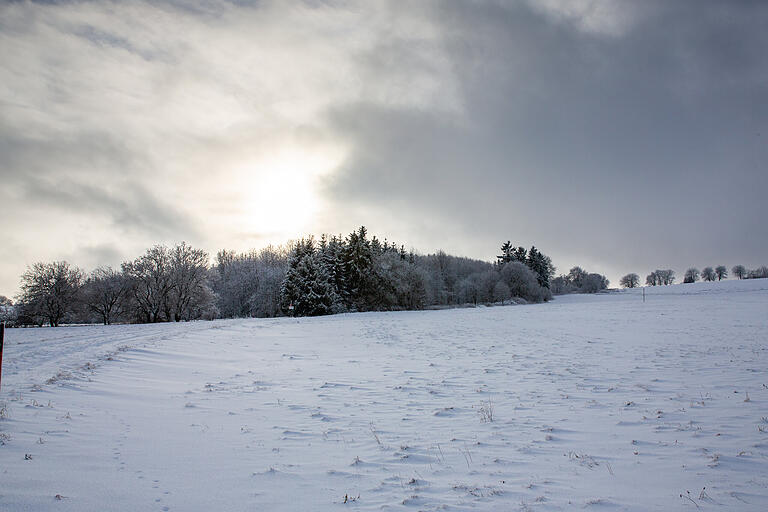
(578, 280)
(248, 285)
(630, 281)
(660, 278)
(692, 275)
(165, 284)
(304, 278)
(356, 273)
(742, 273)
(710, 274)
(535, 260)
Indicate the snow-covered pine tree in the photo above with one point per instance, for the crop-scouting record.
(331, 258)
(520, 254)
(357, 259)
(506, 253)
(541, 265)
(307, 285)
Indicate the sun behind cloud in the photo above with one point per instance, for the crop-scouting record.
(279, 192)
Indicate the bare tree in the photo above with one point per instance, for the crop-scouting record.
(739, 271)
(50, 290)
(721, 272)
(660, 277)
(105, 293)
(188, 281)
(708, 274)
(576, 276)
(151, 283)
(691, 275)
(630, 281)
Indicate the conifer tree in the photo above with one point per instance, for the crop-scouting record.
(506, 253)
(541, 265)
(307, 285)
(331, 258)
(520, 254)
(357, 260)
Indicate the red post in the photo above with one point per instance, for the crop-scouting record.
(2, 335)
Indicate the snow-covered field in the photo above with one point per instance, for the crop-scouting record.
(597, 402)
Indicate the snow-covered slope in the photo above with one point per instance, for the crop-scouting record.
(599, 401)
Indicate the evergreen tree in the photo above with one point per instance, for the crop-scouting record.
(357, 261)
(307, 285)
(506, 253)
(541, 266)
(376, 247)
(331, 257)
(520, 254)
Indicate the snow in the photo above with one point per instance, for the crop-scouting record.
(597, 402)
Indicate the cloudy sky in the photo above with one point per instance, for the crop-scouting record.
(618, 135)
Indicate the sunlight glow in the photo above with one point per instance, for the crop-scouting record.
(280, 192)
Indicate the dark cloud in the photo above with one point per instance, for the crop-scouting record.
(625, 152)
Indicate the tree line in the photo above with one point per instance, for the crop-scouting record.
(332, 274)
(692, 275)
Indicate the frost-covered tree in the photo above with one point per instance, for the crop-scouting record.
(272, 266)
(758, 273)
(523, 282)
(248, 284)
(576, 276)
(630, 281)
(560, 286)
(579, 280)
(739, 271)
(594, 283)
(403, 285)
(151, 284)
(105, 293)
(49, 291)
(691, 275)
(235, 280)
(708, 274)
(189, 294)
(7, 311)
(660, 277)
(501, 292)
(721, 272)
